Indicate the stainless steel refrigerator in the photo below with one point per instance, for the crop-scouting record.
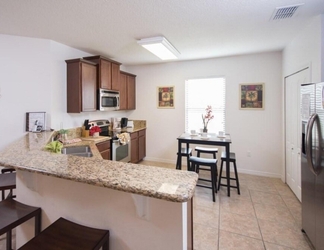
(312, 162)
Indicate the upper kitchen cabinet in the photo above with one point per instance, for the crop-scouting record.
(81, 86)
(108, 72)
(127, 91)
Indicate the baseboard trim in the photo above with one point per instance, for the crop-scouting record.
(240, 170)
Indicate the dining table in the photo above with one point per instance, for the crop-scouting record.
(211, 139)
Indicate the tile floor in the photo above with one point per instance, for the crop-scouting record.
(266, 215)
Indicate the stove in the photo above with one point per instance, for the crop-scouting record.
(119, 151)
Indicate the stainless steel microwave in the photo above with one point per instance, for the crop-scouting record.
(108, 100)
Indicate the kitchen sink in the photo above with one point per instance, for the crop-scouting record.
(83, 151)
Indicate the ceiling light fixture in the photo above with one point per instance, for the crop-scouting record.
(160, 47)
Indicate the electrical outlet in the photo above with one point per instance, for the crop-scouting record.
(248, 154)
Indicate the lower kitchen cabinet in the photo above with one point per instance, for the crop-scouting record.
(138, 146)
(104, 149)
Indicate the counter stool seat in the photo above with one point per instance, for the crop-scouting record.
(233, 160)
(196, 162)
(66, 235)
(205, 150)
(185, 152)
(14, 213)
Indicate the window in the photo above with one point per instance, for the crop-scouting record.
(198, 94)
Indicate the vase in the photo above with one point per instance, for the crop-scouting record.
(205, 130)
(95, 134)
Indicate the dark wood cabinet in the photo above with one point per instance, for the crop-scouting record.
(134, 147)
(127, 91)
(141, 144)
(138, 146)
(104, 149)
(108, 72)
(81, 86)
(131, 92)
(123, 91)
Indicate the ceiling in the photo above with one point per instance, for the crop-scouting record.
(197, 28)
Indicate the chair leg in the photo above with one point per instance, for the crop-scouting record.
(178, 163)
(220, 175)
(215, 179)
(236, 177)
(212, 173)
(188, 163)
(9, 240)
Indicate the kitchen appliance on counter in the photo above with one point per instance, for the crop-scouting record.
(108, 100)
(116, 123)
(123, 122)
(312, 162)
(119, 151)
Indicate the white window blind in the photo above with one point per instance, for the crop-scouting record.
(198, 94)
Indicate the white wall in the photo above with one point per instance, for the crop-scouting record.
(34, 72)
(306, 49)
(33, 79)
(256, 131)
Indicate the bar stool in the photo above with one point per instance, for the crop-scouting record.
(233, 160)
(66, 235)
(205, 150)
(196, 162)
(185, 152)
(14, 213)
(7, 169)
(7, 182)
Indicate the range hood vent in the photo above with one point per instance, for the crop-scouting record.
(285, 12)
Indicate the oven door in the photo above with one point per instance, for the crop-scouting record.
(120, 152)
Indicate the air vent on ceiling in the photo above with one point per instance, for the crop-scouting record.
(285, 12)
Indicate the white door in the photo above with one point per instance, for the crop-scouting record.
(293, 129)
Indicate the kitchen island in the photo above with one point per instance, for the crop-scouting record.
(144, 207)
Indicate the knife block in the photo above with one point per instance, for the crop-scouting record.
(84, 133)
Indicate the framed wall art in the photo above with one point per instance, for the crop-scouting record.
(35, 118)
(252, 96)
(165, 97)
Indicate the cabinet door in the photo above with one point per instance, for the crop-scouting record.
(134, 147)
(89, 79)
(122, 91)
(105, 74)
(104, 149)
(141, 145)
(115, 73)
(106, 155)
(131, 92)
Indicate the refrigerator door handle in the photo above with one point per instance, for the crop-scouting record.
(314, 119)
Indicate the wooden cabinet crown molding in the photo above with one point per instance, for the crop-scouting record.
(99, 57)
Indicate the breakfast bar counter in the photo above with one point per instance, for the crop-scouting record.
(144, 207)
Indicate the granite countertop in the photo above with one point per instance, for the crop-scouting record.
(28, 154)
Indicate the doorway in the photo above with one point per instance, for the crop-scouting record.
(293, 128)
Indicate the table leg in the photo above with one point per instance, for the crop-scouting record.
(228, 170)
(178, 166)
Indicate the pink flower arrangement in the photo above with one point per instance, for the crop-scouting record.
(94, 130)
(208, 116)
